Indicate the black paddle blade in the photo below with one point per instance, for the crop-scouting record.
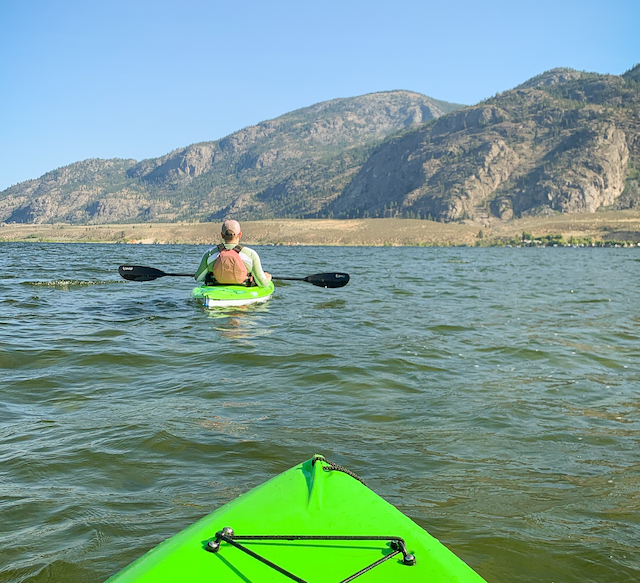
(140, 273)
(328, 279)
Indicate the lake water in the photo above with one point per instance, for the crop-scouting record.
(493, 395)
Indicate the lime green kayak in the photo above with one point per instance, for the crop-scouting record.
(222, 296)
(314, 523)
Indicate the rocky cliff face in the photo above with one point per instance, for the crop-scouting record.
(594, 162)
(178, 167)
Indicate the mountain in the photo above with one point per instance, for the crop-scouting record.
(565, 141)
(292, 165)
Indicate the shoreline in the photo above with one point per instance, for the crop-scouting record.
(585, 228)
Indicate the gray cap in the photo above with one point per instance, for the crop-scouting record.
(231, 226)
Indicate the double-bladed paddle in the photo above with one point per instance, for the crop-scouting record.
(141, 273)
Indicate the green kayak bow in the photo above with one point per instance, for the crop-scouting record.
(315, 523)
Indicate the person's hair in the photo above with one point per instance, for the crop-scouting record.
(228, 235)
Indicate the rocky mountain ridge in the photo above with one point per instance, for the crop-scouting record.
(210, 179)
(565, 141)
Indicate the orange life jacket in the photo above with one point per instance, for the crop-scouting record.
(228, 268)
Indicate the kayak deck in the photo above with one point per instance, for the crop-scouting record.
(221, 296)
(313, 523)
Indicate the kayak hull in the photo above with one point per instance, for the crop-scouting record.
(224, 296)
(314, 499)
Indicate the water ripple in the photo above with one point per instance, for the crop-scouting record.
(491, 394)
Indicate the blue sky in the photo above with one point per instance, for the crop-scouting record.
(137, 79)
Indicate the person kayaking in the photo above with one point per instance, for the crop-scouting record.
(231, 263)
